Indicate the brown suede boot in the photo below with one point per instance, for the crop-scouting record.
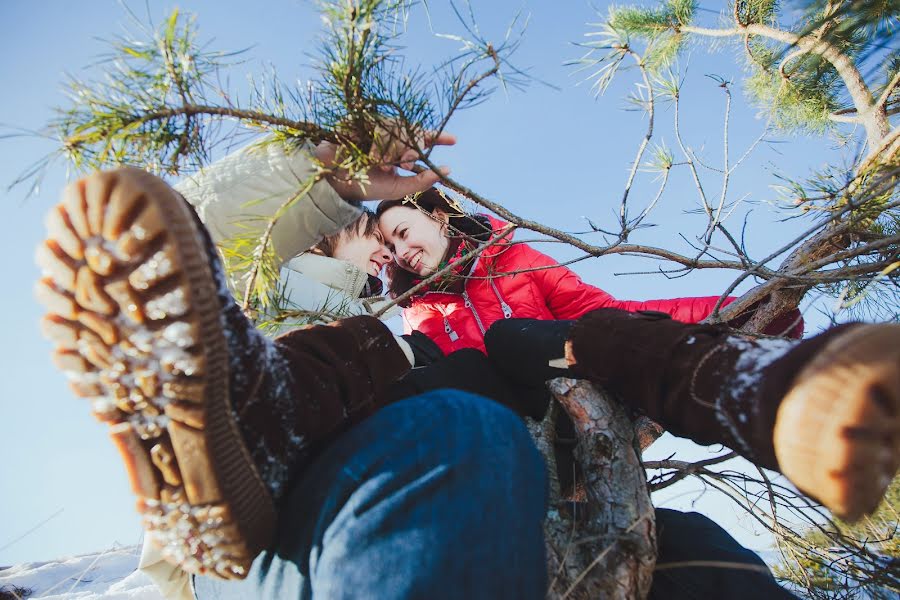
(824, 411)
(210, 417)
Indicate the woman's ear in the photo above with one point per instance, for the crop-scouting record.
(441, 215)
(442, 218)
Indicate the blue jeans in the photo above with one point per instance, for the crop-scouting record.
(442, 495)
(721, 568)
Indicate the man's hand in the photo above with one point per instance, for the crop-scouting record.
(384, 181)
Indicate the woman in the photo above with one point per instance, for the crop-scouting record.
(527, 305)
(507, 280)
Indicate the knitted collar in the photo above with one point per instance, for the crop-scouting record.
(339, 275)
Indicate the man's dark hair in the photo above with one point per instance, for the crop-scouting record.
(364, 225)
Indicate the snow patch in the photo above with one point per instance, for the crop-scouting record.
(755, 357)
(110, 575)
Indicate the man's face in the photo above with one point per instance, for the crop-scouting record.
(367, 252)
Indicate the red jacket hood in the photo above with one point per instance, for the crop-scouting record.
(503, 243)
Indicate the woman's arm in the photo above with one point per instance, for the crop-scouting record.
(565, 294)
(568, 297)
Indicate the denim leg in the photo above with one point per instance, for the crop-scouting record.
(688, 537)
(438, 496)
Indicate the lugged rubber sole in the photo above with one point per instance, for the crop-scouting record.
(837, 433)
(133, 312)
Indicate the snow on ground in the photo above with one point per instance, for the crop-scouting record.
(110, 575)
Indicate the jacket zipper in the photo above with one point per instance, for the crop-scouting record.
(449, 330)
(471, 307)
(507, 311)
(506, 308)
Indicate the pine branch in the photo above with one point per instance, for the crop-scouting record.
(822, 239)
(881, 104)
(304, 129)
(876, 125)
(130, 122)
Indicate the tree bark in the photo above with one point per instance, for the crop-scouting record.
(606, 546)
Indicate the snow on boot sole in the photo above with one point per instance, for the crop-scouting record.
(837, 433)
(133, 311)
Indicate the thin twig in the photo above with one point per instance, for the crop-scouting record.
(623, 211)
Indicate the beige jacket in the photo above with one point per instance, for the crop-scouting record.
(330, 286)
(237, 196)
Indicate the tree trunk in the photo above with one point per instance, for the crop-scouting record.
(606, 546)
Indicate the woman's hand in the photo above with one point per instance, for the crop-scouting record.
(384, 182)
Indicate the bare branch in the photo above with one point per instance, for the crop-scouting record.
(623, 212)
(684, 469)
(689, 156)
(888, 90)
(726, 169)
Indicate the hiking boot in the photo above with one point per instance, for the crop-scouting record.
(824, 411)
(211, 418)
(837, 431)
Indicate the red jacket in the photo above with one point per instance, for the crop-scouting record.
(458, 320)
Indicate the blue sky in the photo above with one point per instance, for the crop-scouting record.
(551, 155)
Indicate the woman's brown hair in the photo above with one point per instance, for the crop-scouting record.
(462, 226)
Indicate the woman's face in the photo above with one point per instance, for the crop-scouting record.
(416, 238)
(367, 252)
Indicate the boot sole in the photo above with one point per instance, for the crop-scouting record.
(134, 315)
(837, 432)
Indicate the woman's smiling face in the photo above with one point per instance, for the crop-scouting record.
(416, 238)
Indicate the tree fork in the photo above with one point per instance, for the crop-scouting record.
(606, 547)
(882, 163)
